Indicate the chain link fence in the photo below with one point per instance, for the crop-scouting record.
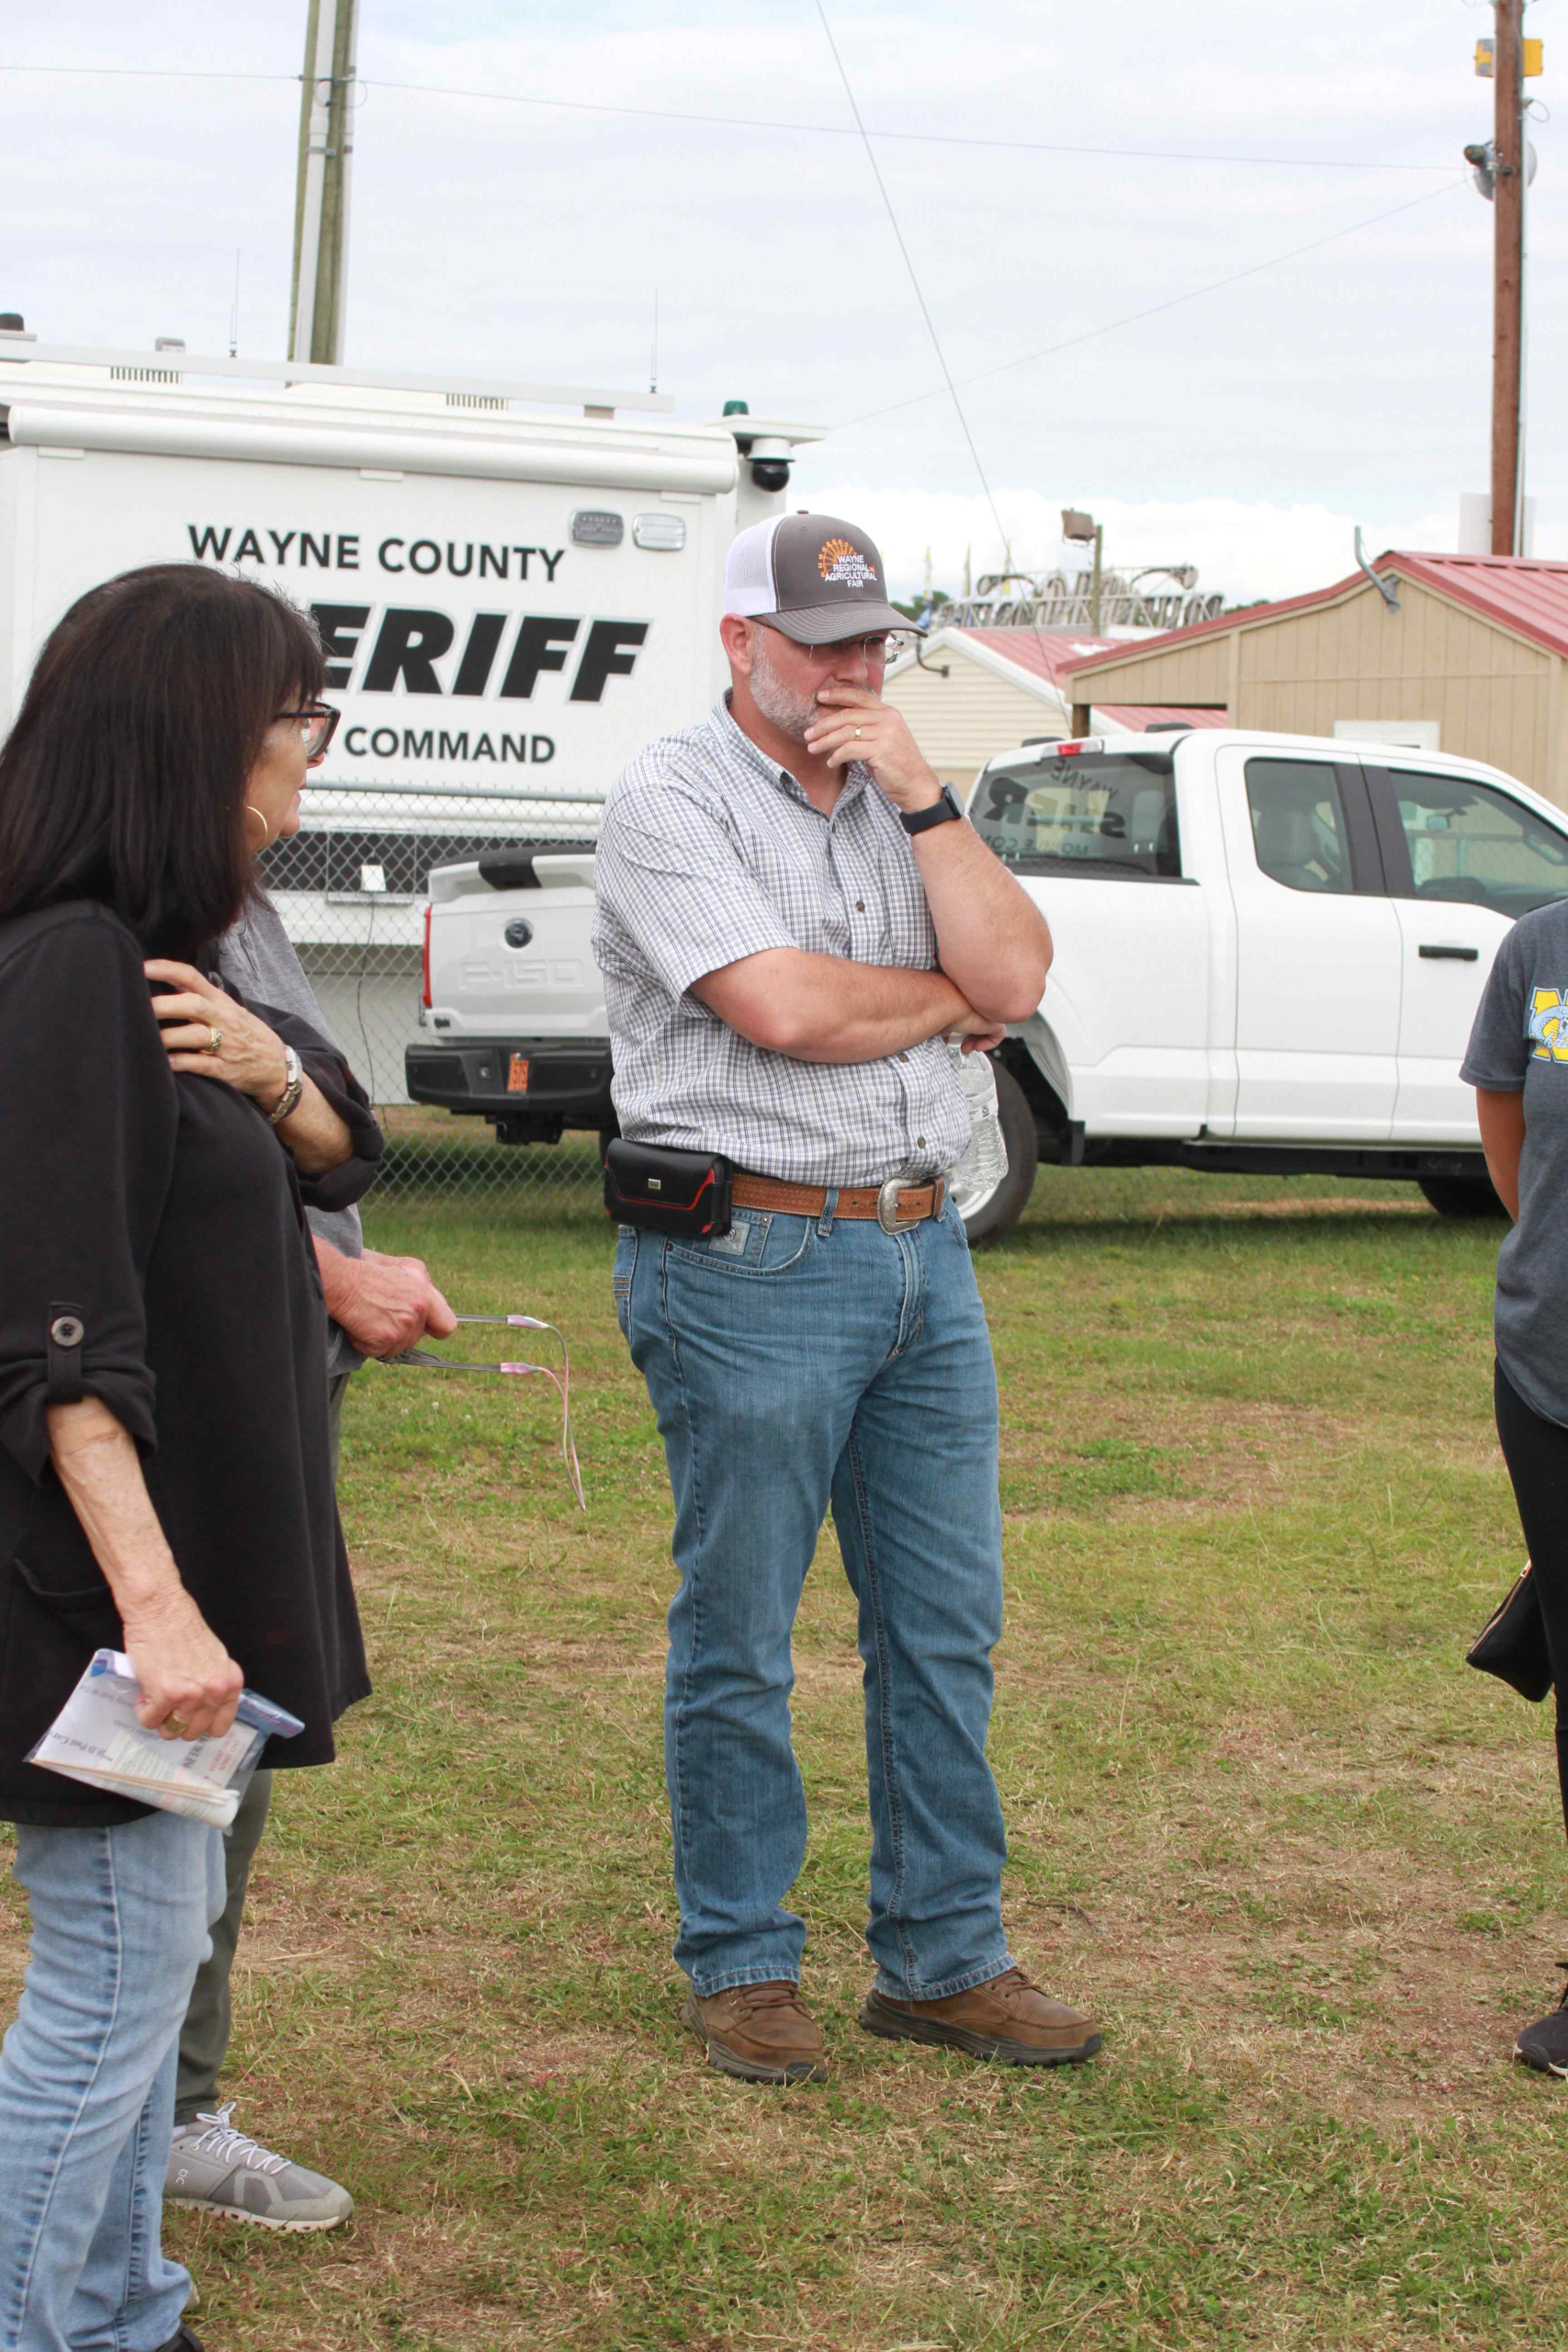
(351, 887)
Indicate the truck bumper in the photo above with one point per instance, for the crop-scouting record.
(530, 1088)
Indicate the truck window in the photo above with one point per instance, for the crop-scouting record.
(1471, 843)
(1091, 813)
(1299, 832)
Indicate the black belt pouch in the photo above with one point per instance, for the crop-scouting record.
(683, 1192)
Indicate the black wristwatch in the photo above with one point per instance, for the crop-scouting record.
(940, 812)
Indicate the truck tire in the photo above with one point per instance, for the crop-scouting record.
(1461, 1196)
(987, 1214)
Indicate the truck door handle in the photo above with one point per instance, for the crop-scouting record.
(1451, 954)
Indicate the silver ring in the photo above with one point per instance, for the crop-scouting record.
(214, 1039)
(858, 734)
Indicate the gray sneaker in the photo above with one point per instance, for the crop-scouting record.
(220, 2170)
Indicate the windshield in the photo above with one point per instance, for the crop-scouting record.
(1096, 813)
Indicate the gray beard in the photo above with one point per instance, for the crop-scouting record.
(791, 712)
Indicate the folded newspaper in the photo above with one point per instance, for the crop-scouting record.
(97, 1738)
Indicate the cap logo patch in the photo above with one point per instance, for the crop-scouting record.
(843, 563)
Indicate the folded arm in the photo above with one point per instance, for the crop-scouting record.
(826, 1008)
(250, 1057)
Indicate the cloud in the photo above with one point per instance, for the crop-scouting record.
(1250, 425)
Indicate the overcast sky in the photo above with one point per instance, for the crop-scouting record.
(1245, 429)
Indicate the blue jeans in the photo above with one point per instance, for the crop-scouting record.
(794, 1363)
(119, 1921)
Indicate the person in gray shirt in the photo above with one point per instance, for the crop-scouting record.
(1517, 1062)
(378, 1305)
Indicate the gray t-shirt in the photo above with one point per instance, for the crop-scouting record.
(1519, 1043)
(258, 955)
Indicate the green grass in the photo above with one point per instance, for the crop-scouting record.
(1307, 1869)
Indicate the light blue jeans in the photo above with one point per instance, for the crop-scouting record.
(796, 1363)
(119, 1921)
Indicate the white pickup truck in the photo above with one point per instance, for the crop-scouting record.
(1269, 950)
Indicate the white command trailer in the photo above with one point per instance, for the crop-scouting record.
(516, 588)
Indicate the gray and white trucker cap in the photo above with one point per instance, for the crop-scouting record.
(812, 576)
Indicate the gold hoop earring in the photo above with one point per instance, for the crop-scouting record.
(252, 811)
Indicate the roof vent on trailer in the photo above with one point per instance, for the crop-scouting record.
(172, 345)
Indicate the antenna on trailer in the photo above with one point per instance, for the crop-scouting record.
(653, 359)
(234, 312)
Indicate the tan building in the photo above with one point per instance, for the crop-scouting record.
(1469, 660)
(971, 692)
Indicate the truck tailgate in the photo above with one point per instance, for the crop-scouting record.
(515, 961)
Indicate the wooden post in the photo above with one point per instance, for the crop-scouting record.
(319, 296)
(1507, 275)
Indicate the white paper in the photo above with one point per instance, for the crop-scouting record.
(97, 1738)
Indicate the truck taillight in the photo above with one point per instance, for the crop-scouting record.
(425, 987)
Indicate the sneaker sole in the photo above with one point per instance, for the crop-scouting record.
(261, 2220)
(880, 2017)
(1538, 2065)
(748, 2070)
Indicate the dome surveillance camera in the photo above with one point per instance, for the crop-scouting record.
(770, 462)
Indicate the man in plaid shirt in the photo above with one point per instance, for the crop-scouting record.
(791, 921)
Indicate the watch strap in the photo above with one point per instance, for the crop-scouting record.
(940, 812)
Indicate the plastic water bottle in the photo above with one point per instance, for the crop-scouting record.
(985, 1163)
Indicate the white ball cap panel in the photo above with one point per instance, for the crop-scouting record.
(749, 586)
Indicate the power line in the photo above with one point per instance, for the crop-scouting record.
(914, 278)
(758, 122)
(152, 73)
(1215, 286)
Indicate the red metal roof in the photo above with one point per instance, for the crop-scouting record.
(1523, 593)
(1134, 717)
(1047, 653)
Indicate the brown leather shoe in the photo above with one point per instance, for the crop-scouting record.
(759, 2032)
(1007, 2017)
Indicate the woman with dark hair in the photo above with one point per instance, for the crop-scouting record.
(164, 1481)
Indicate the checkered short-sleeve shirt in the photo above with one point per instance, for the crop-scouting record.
(709, 852)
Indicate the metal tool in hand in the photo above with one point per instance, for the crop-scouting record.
(427, 1359)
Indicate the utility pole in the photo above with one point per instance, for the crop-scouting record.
(1508, 274)
(318, 297)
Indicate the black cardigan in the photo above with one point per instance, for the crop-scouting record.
(164, 1214)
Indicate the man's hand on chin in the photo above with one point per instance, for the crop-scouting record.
(384, 1304)
(853, 724)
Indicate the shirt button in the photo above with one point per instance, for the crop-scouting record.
(859, 906)
(919, 1143)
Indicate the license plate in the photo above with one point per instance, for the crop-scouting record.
(518, 1075)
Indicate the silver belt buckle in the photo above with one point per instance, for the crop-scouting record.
(887, 1215)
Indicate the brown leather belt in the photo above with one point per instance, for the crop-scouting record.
(894, 1204)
